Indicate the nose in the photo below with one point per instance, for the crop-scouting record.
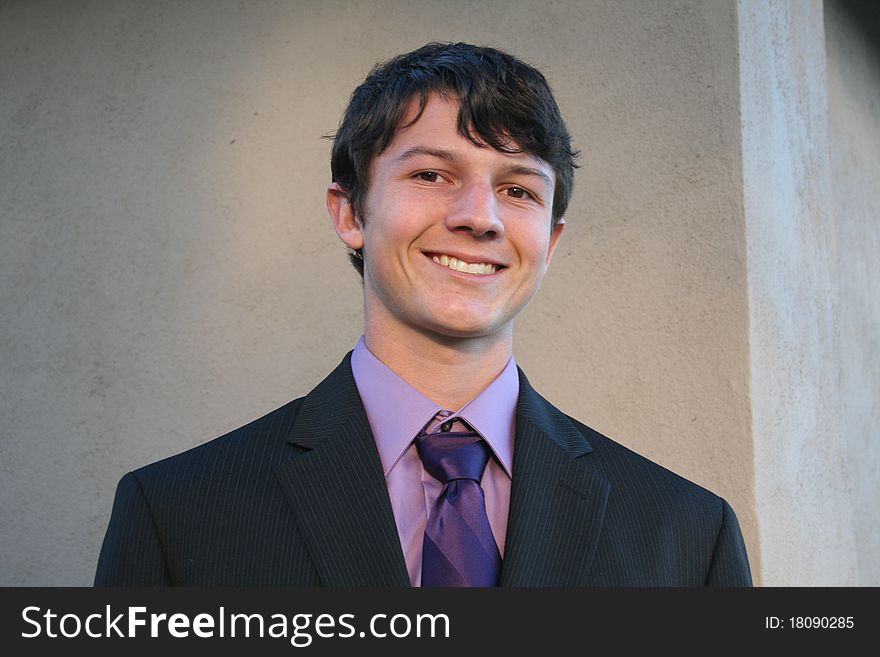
(476, 211)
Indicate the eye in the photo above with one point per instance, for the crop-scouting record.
(519, 192)
(430, 176)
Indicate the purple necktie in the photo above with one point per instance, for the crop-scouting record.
(459, 548)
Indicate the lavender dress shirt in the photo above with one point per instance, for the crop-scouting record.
(397, 412)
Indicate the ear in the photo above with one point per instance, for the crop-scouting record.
(346, 224)
(555, 234)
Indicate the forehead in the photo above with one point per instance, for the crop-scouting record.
(436, 126)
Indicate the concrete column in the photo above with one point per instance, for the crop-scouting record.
(802, 485)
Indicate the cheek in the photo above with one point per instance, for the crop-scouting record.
(533, 241)
(384, 218)
(400, 222)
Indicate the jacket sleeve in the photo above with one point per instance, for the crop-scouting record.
(730, 562)
(132, 552)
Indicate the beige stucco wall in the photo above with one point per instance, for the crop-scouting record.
(167, 270)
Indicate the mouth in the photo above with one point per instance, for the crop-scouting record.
(478, 268)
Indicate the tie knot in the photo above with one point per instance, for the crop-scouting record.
(449, 455)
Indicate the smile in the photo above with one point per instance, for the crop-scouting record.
(479, 268)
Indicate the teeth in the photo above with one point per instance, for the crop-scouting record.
(467, 267)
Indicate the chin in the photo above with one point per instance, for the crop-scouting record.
(475, 329)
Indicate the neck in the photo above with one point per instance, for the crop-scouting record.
(449, 371)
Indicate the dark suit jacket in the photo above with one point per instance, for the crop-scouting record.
(298, 498)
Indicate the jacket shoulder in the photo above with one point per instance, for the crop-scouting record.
(694, 530)
(628, 472)
(621, 464)
(253, 446)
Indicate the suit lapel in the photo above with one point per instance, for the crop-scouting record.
(335, 485)
(557, 499)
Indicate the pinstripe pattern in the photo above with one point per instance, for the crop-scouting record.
(586, 511)
(297, 498)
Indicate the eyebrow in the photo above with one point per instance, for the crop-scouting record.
(423, 150)
(529, 171)
(449, 156)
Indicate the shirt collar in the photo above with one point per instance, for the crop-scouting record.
(397, 411)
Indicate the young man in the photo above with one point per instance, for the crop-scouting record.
(426, 458)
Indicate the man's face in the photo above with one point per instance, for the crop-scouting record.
(456, 237)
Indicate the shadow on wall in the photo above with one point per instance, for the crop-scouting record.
(865, 14)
